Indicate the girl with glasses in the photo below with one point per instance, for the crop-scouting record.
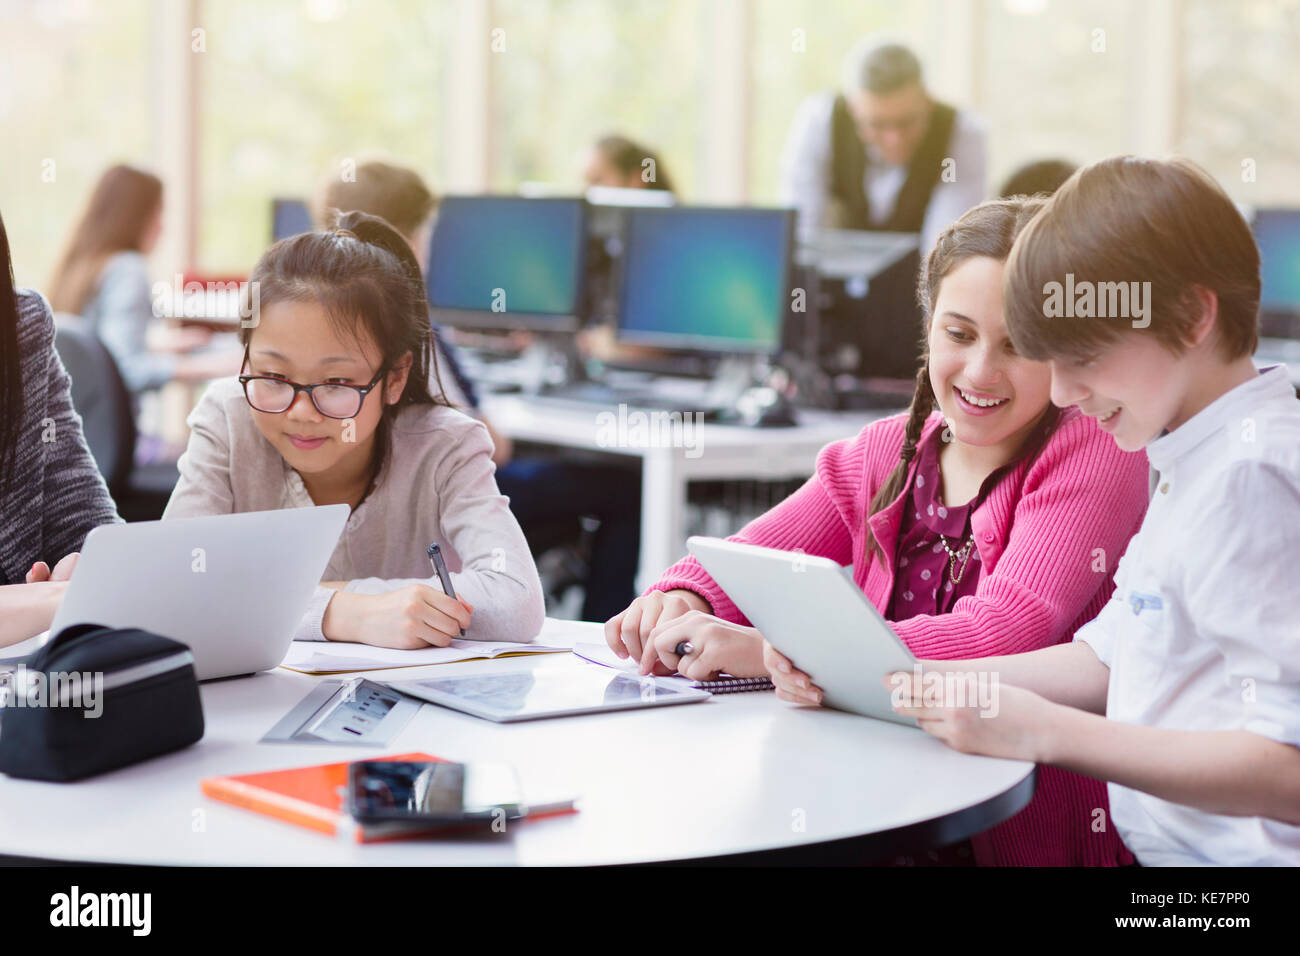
(333, 406)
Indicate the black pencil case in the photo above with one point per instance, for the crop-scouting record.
(98, 698)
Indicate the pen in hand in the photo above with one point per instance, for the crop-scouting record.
(440, 569)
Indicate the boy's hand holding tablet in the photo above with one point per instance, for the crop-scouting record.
(1022, 731)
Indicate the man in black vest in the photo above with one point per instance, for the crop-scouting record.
(882, 155)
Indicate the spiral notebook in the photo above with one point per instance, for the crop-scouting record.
(602, 655)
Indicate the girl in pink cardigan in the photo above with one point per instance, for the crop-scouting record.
(982, 522)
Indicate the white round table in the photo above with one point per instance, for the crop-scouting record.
(738, 774)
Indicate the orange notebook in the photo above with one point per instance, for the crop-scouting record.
(313, 797)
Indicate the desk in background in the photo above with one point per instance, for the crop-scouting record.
(726, 452)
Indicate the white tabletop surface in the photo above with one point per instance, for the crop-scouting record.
(735, 774)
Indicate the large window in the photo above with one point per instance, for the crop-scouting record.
(799, 48)
(1056, 80)
(292, 89)
(75, 82)
(564, 72)
(493, 93)
(1240, 96)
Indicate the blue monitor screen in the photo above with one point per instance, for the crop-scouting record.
(519, 255)
(712, 279)
(1277, 231)
(288, 218)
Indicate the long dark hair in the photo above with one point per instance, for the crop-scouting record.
(986, 231)
(11, 382)
(115, 219)
(365, 276)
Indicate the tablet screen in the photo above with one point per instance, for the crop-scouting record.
(549, 690)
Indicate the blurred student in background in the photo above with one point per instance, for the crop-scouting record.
(103, 277)
(543, 493)
(881, 154)
(615, 160)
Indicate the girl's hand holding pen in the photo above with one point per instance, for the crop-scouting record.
(409, 618)
(627, 633)
(700, 646)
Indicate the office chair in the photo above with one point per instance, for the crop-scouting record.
(101, 398)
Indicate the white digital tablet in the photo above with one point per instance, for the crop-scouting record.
(810, 609)
(548, 692)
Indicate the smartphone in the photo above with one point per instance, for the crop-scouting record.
(431, 792)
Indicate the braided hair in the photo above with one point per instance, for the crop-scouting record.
(988, 231)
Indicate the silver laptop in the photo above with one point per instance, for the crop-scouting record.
(233, 587)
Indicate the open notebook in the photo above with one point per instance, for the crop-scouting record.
(321, 657)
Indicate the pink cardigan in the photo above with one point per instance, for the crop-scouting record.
(1049, 535)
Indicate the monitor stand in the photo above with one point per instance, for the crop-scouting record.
(735, 375)
(739, 394)
(551, 360)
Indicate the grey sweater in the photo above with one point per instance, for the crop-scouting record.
(438, 485)
(57, 494)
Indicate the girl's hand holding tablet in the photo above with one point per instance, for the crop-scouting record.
(409, 618)
(791, 683)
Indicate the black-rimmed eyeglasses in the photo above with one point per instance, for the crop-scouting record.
(333, 400)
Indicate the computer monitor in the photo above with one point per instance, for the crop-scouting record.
(504, 262)
(867, 321)
(1277, 232)
(289, 217)
(706, 278)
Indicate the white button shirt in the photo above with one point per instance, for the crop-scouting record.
(806, 172)
(1203, 630)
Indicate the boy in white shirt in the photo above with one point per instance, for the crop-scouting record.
(1195, 662)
